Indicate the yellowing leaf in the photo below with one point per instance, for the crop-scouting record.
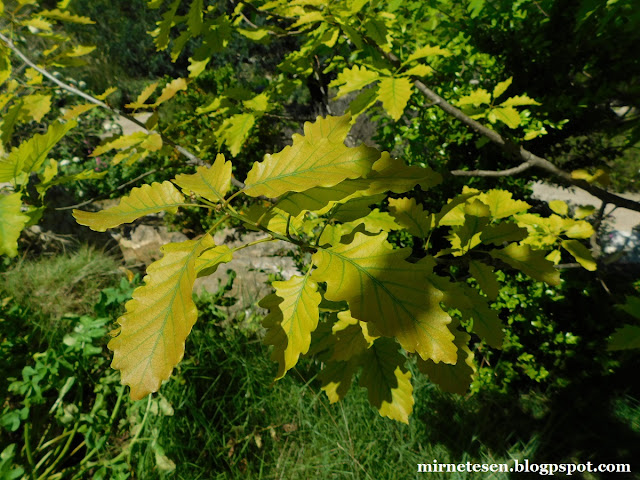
(12, 221)
(122, 142)
(485, 277)
(78, 110)
(418, 71)
(559, 207)
(351, 337)
(293, 316)
(394, 93)
(478, 97)
(158, 319)
(385, 290)
(507, 115)
(519, 101)
(319, 158)
(580, 253)
(235, 131)
(169, 91)
(31, 154)
(387, 381)
(428, 51)
(501, 87)
(142, 201)
(501, 233)
(528, 261)
(354, 79)
(35, 106)
(211, 183)
(453, 378)
(376, 31)
(209, 261)
(65, 16)
(377, 221)
(411, 216)
(143, 97)
(336, 378)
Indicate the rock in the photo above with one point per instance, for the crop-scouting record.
(144, 242)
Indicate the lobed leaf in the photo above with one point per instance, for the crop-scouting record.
(411, 216)
(528, 261)
(485, 277)
(319, 158)
(394, 93)
(12, 222)
(385, 290)
(625, 338)
(211, 183)
(293, 316)
(158, 319)
(142, 201)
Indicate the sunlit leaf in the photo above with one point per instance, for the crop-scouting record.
(209, 261)
(235, 130)
(12, 221)
(559, 207)
(528, 261)
(411, 216)
(141, 201)
(428, 51)
(293, 316)
(394, 295)
(353, 79)
(501, 87)
(170, 90)
(158, 319)
(211, 183)
(580, 253)
(394, 93)
(319, 158)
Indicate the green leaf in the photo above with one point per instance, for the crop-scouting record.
(211, 183)
(631, 306)
(411, 216)
(473, 306)
(353, 79)
(336, 378)
(452, 378)
(161, 33)
(157, 321)
(293, 316)
(501, 87)
(528, 261)
(376, 31)
(32, 153)
(387, 381)
(485, 277)
(394, 93)
(501, 233)
(141, 201)
(625, 338)
(209, 261)
(12, 222)
(580, 253)
(235, 131)
(194, 20)
(319, 158)
(385, 290)
(351, 337)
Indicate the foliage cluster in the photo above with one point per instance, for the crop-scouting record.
(364, 307)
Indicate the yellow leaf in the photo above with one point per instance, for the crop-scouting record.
(351, 337)
(158, 319)
(411, 216)
(519, 101)
(78, 110)
(336, 378)
(235, 131)
(501, 87)
(170, 90)
(211, 183)
(35, 106)
(394, 93)
(453, 378)
(387, 381)
(478, 97)
(65, 16)
(143, 97)
(559, 207)
(353, 79)
(428, 51)
(209, 261)
(419, 71)
(580, 253)
(507, 115)
(528, 261)
(12, 221)
(142, 201)
(293, 316)
(497, 234)
(390, 293)
(319, 158)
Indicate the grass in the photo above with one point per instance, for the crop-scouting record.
(221, 416)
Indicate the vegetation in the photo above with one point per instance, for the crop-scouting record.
(391, 145)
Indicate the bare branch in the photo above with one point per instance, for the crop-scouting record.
(493, 173)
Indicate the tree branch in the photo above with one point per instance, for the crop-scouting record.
(530, 159)
(193, 159)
